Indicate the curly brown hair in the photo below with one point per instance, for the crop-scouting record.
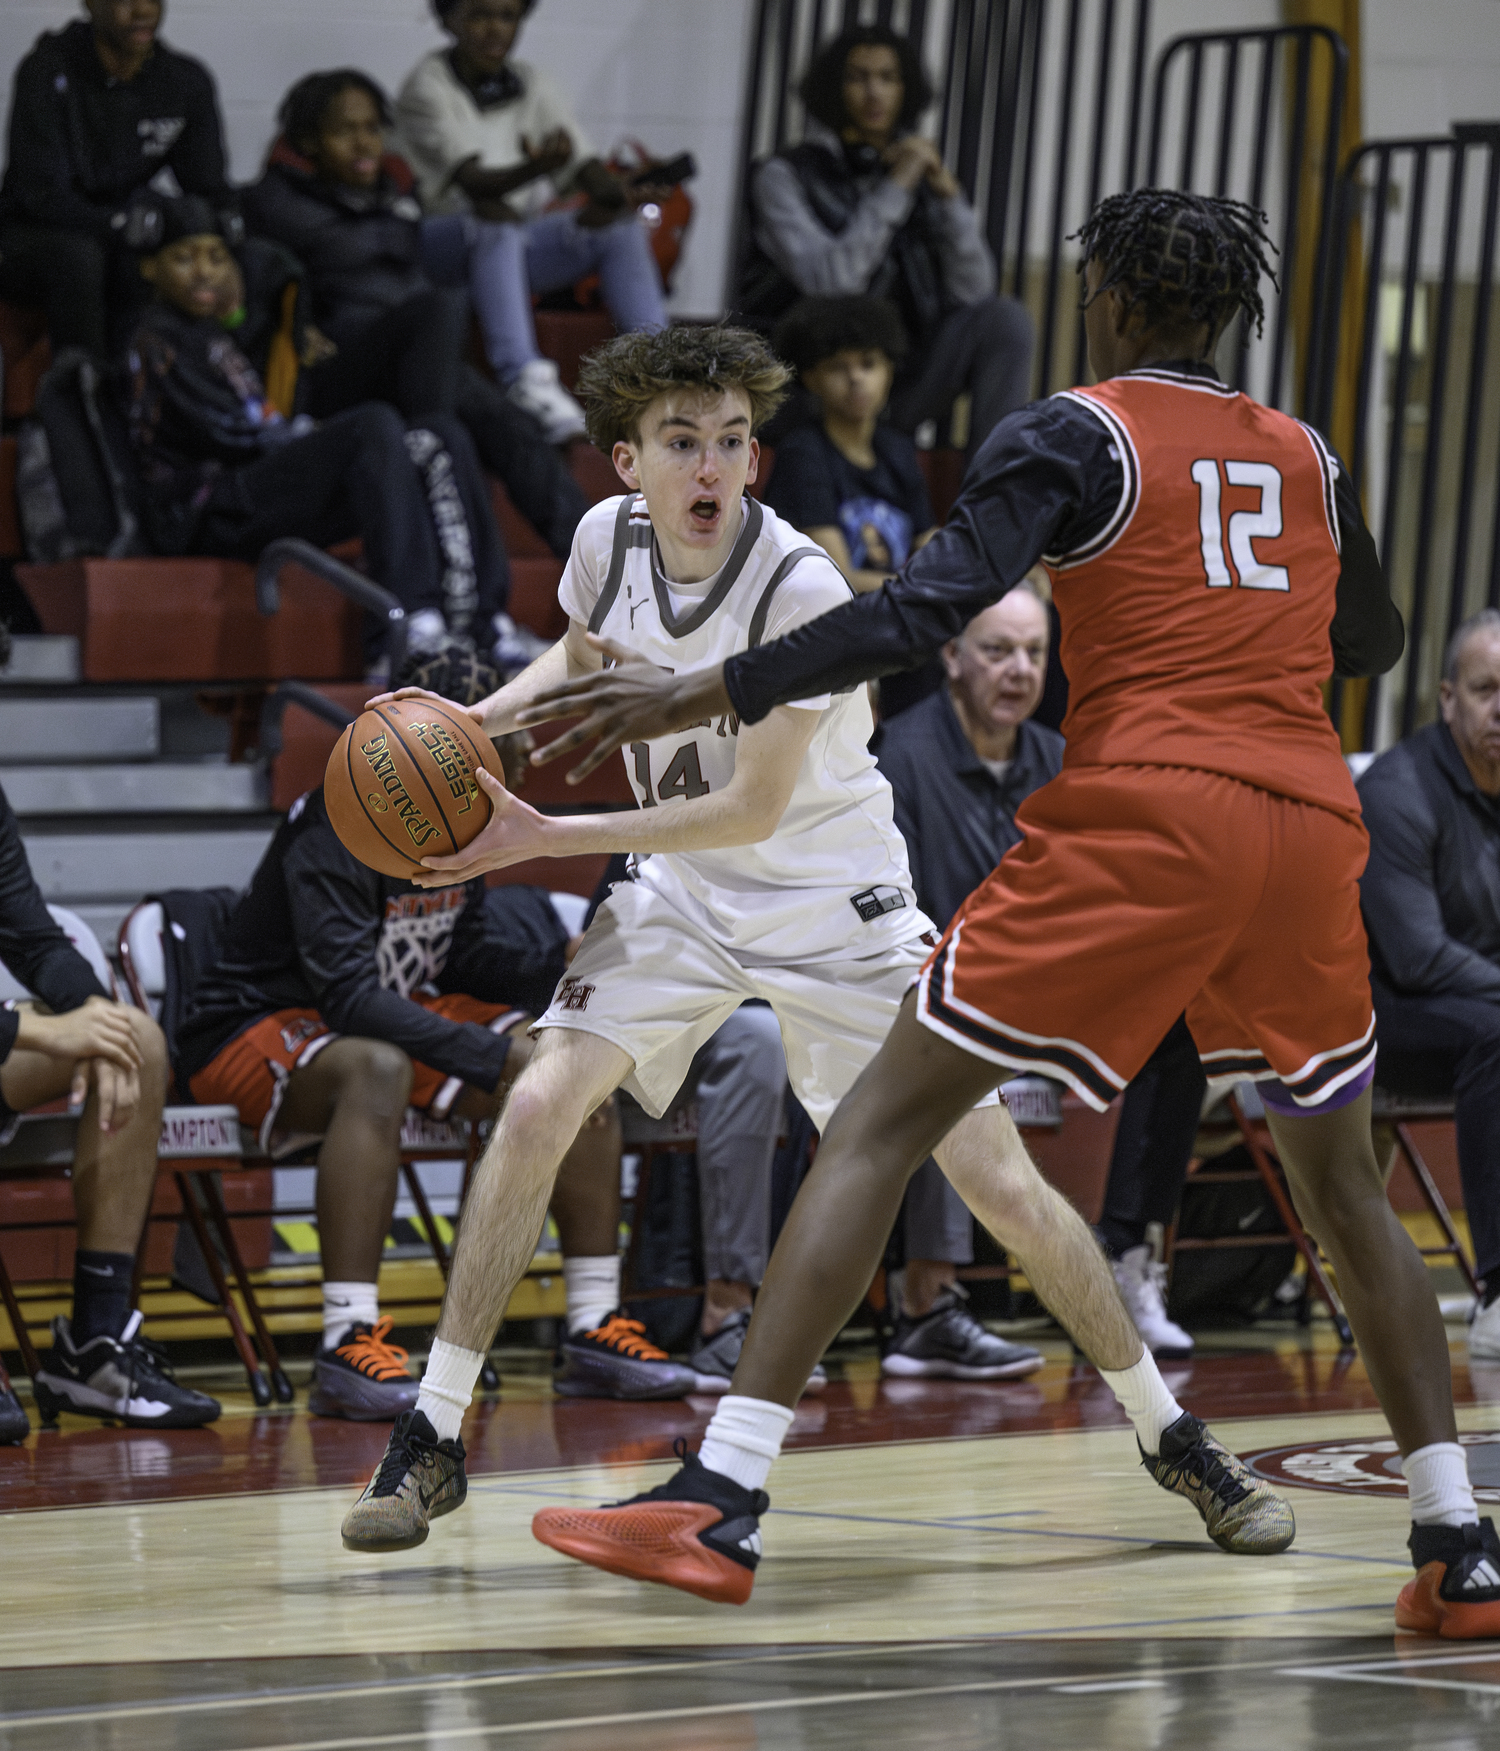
(618, 381)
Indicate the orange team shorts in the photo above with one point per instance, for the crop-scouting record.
(252, 1071)
(1139, 892)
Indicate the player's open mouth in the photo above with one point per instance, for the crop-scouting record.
(704, 513)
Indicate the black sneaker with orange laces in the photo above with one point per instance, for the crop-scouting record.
(618, 1360)
(363, 1377)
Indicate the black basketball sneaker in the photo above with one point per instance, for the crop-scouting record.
(1243, 1514)
(125, 1379)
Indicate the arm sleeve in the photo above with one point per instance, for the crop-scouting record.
(812, 588)
(1043, 480)
(1367, 634)
(336, 911)
(508, 950)
(816, 261)
(39, 176)
(197, 155)
(1399, 895)
(968, 266)
(33, 944)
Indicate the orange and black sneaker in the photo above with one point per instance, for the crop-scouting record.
(618, 1360)
(699, 1531)
(1456, 1591)
(362, 1377)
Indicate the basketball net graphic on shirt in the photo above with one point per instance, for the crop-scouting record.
(416, 936)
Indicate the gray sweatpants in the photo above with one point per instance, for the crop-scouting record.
(938, 1223)
(740, 1076)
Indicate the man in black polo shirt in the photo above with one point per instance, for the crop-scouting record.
(1431, 900)
(960, 763)
(98, 110)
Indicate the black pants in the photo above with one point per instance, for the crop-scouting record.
(410, 357)
(91, 293)
(1154, 1142)
(355, 475)
(1449, 1047)
(984, 348)
(511, 445)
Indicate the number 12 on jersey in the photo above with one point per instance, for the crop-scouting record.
(682, 778)
(1244, 526)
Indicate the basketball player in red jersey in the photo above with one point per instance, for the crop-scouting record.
(1200, 851)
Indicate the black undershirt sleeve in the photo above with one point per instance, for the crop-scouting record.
(1044, 481)
(1367, 634)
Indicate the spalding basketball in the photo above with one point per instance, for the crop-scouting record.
(401, 785)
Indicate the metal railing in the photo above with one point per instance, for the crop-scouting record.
(1417, 223)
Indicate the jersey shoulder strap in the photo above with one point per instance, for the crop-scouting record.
(628, 534)
(774, 583)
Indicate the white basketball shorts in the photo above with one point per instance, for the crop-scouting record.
(648, 980)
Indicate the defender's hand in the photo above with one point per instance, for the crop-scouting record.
(515, 832)
(631, 702)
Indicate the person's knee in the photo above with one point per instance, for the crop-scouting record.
(373, 1076)
(753, 1042)
(151, 1043)
(379, 426)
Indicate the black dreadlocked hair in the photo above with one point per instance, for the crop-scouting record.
(1180, 257)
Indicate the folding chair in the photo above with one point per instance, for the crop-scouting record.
(1398, 1111)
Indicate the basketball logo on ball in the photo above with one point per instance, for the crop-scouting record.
(402, 784)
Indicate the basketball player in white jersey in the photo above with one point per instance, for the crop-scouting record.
(766, 864)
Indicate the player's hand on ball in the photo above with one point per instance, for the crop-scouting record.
(632, 701)
(515, 832)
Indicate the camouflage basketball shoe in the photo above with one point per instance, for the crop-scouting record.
(1243, 1514)
(419, 1478)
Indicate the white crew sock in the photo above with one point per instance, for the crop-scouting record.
(346, 1304)
(593, 1287)
(447, 1386)
(1437, 1480)
(1144, 1398)
(744, 1438)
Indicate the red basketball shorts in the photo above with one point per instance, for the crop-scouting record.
(251, 1072)
(1139, 892)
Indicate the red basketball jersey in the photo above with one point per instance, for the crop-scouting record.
(1196, 623)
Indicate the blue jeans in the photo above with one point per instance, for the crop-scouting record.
(503, 265)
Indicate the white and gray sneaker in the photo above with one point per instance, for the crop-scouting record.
(714, 1361)
(1484, 1333)
(125, 1379)
(537, 391)
(948, 1343)
(1142, 1282)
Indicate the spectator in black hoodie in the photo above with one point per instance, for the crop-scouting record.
(225, 473)
(98, 110)
(349, 211)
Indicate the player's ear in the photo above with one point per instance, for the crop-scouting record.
(754, 468)
(623, 457)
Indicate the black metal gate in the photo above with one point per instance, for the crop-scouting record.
(1415, 239)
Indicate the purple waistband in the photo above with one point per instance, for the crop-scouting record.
(1278, 1098)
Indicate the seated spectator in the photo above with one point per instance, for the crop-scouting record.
(1431, 900)
(865, 205)
(493, 142)
(960, 764)
(341, 997)
(848, 479)
(224, 473)
(349, 213)
(99, 110)
(76, 1041)
(850, 482)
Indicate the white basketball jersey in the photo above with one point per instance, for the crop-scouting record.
(832, 880)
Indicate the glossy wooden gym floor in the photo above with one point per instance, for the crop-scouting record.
(947, 1565)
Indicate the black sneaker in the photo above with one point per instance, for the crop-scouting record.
(699, 1531)
(125, 1378)
(419, 1479)
(363, 1377)
(948, 1343)
(15, 1425)
(1243, 1514)
(618, 1360)
(714, 1361)
(1456, 1590)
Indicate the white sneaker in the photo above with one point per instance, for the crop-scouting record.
(1142, 1281)
(1484, 1334)
(537, 392)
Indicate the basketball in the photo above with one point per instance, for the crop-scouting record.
(401, 784)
